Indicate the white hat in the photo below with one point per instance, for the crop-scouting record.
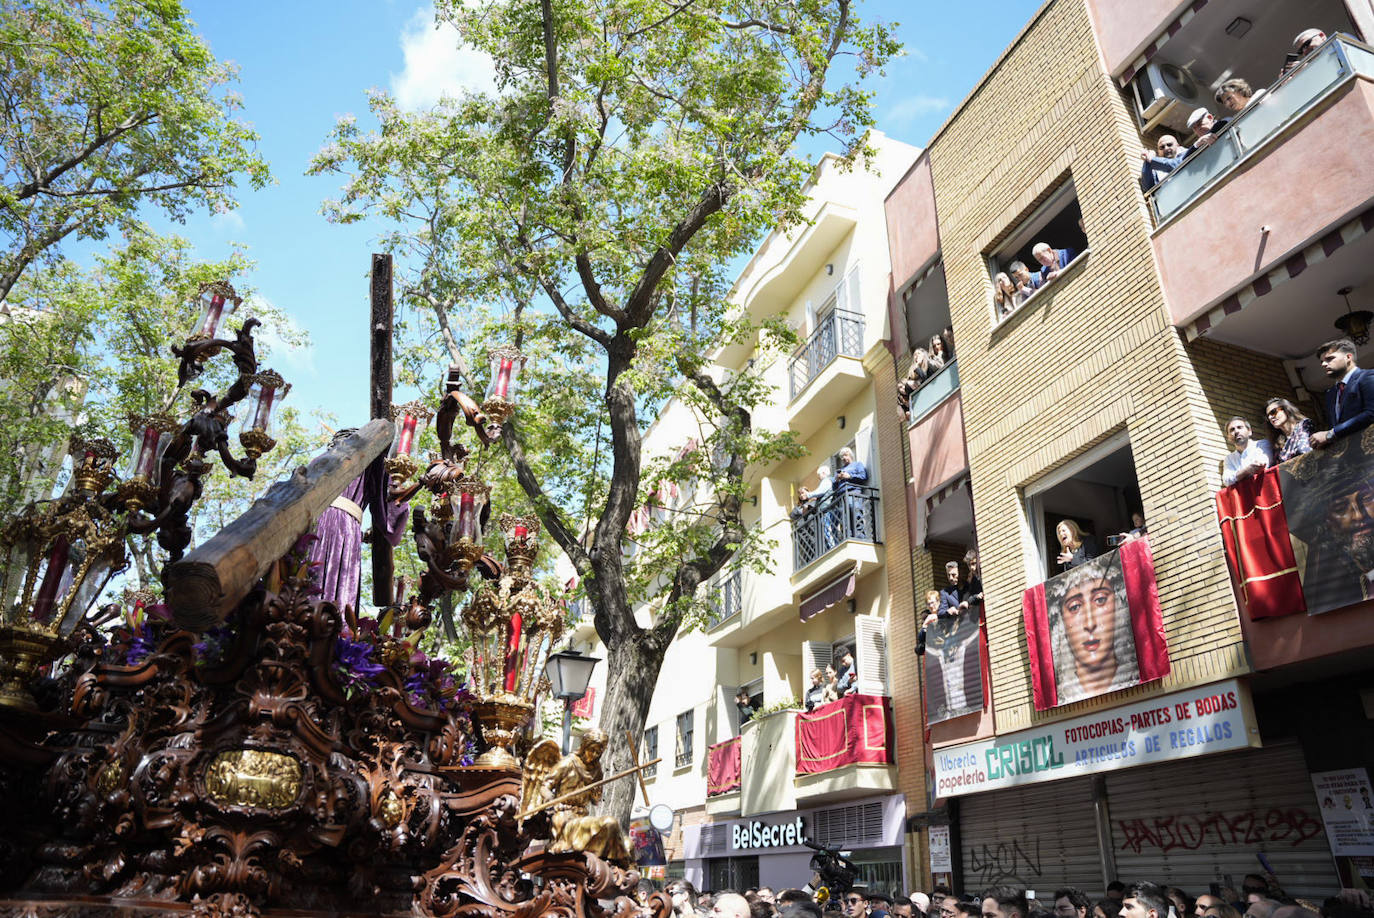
(921, 901)
(1304, 37)
(1197, 115)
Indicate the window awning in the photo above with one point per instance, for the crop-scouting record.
(934, 499)
(827, 596)
(1290, 268)
(1153, 47)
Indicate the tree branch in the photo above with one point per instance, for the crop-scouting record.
(638, 306)
(546, 509)
(42, 182)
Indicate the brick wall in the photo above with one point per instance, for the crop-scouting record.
(1092, 356)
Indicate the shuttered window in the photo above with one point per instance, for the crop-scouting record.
(859, 826)
(870, 654)
(1039, 837)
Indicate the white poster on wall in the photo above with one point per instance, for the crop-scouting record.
(940, 859)
(1347, 809)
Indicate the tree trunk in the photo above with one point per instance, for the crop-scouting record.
(633, 666)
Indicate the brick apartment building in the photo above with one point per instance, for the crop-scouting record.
(1107, 394)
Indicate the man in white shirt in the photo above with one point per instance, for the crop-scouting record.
(1250, 456)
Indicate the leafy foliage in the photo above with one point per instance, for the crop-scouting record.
(110, 107)
(595, 208)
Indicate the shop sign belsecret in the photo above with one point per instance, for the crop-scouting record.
(761, 835)
(1211, 718)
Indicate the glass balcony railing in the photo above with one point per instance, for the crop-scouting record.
(851, 513)
(1331, 66)
(840, 333)
(936, 389)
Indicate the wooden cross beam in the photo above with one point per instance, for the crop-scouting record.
(639, 772)
(380, 331)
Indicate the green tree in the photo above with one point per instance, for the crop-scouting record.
(93, 346)
(111, 108)
(593, 205)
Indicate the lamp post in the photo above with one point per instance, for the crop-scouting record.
(569, 672)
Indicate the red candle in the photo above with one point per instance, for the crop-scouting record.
(503, 379)
(52, 581)
(467, 517)
(512, 650)
(264, 412)
(407, 435)
(212, 315)
(147, 456)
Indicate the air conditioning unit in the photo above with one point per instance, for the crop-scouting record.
(1165, 94)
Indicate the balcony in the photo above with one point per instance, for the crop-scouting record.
(845, 749)
(826, 372)
(1337, 64)
(933, 394)
(848, 513)
(1245, 259)
(723, 772)
(727, 600)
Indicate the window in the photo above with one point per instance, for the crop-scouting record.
(1097, 492)
(650, 751)
(755, 692)
(684, 739)
(1057, 222)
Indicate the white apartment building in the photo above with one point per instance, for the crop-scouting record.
(827, 586)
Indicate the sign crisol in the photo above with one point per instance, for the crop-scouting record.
(758, 835)
(1211, 718)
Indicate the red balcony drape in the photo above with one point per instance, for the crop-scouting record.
(1254, 529)
(855, 729)
(723, 767)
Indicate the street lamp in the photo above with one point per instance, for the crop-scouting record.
(569, 672)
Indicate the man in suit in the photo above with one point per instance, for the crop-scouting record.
(1350, 402)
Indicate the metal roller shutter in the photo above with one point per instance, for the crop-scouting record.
(1041, 837)
(1203, 821)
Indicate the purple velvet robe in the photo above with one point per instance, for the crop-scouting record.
(337, 554)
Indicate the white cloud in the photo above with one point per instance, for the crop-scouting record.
(437, 64)
(227, 221)
(280, 341)
(913, 107)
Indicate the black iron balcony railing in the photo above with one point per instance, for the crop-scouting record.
(850, 512)
(727, 601)
(840, 333)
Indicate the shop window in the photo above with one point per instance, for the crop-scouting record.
(733, 872)
(1097, 493)
(1056, 222)
(650, 751)
(684, 739)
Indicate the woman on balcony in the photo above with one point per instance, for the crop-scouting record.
(1075, 547)
(1292, 427)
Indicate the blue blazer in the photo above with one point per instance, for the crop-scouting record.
(1357, 404)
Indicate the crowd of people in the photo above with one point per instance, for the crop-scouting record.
(925, 363)
(1018, 283)
(831, 684)
(1259, 897)
(1235, 95)
(1349, 405)
(961, 595)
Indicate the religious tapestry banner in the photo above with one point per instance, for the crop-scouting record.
(1096, 628)
(1328, 496)
(954, 667)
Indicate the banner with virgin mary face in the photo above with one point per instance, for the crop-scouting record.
(1096, 628)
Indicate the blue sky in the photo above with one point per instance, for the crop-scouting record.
(304, 64)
